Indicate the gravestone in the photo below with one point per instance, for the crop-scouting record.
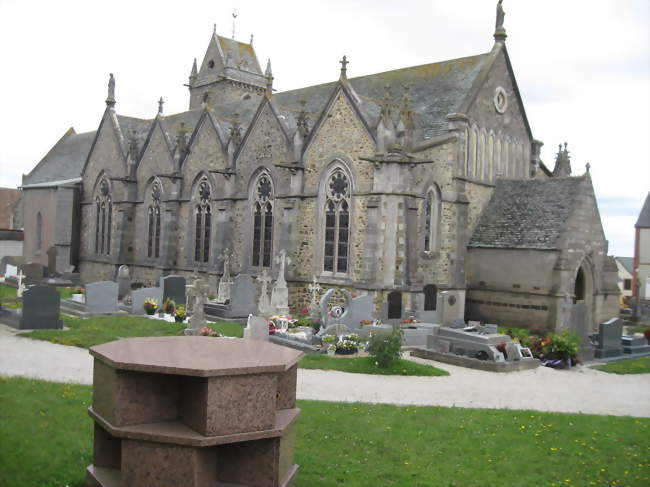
(314, 292)
(450, 307)
(14, 260)
(73, 277)
(351, 314)
(21, 285)
(138, 297)
(101, 297)
(41, 306)
(280, 292)
(174, 288)
(33, 273)
(579, 324)
(11, 271)
(242, 296)
(264, 304)
(198, 291)
(52, 254)
(608, 339)
(257, 328)
(225, 283)
(394, 305)
(123, 281)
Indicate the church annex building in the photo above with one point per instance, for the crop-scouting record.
(398, 185)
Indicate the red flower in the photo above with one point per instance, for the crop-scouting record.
(303, 311)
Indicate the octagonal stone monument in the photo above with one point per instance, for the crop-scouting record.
(193, 411)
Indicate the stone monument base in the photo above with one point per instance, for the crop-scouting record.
(473, 363)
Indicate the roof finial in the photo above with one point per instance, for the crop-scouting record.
(268, 74)
(234, 19)
(160, 105)
(500, 31)
(110, 99)
(344, 67)
(194, 73)
(587, 167)
(251, 42)
(214, 29)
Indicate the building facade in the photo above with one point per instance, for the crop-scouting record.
(374, 183)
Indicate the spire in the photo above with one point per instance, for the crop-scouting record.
(344, 68)
(234, 20)
(268, 74)
(194, 73)
(110, 99)
(499, 30)
(160, 105)
(562, 167)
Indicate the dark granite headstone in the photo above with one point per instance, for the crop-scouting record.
(174, 289)
(101, 297)
(33, 272)
(41, 306)
(242, 296)
(579, 324)
(609, 339)
(394, 305)
(52, 254)
(73, 277)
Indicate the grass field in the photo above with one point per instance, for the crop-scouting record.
(366, 365)
(94, 331)
(358, 445)
(629, 366)
(8, 292)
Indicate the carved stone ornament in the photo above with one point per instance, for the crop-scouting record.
(103, 187)
(155, 191)
(264, 188)
(500, 99)
(338, 185)
(204, 191)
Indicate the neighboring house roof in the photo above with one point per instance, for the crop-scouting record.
(644, 216)
(8, 198)
(64, 161)
(528, 214)
(627, 262)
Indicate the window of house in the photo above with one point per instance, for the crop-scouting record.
(262, 221)
(627, 284)
(203, 223)
(153, 215)
(337, 223)
(103, 219)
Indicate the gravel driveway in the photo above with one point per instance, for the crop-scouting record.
(580, 390)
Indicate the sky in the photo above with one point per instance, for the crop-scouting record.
(582, 67)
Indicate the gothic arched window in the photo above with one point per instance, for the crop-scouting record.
(431, 219)
(203, 223)
(262, 221)
(103, 218)
(153, 222)
(337, 222)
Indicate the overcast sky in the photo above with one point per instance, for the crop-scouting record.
(582, 66)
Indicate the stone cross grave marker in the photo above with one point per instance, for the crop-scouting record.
(21, 285)
(264, 304)
(280, 293)
(41, 306)
(225, 283)
(314, 291)
(198, 291)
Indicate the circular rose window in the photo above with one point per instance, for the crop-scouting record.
(500, 100)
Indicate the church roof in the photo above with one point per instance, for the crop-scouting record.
(65, 160)
(436, 90)
(644, 216)
(526, 214)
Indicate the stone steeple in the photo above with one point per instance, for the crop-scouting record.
(562, 167)
(229, 71)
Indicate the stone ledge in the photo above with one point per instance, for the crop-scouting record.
(473, 363)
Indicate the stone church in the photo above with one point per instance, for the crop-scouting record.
(398, 185)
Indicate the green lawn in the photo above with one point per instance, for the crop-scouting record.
(94, 331)
(8, 292)
(366, 365)
(629, 366)
(358, 445)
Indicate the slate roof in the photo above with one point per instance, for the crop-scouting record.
(64, 161)
(627, 262)
(644, 216)
(436, 90)
(242, 55)
(527, 214)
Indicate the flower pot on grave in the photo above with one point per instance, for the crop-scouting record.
(178, 319)
(150, 311)
(346, 351)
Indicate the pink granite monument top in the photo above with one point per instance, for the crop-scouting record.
(196, 356)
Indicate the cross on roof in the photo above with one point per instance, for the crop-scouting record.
(344, 66)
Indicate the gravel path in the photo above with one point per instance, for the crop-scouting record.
(580, 390)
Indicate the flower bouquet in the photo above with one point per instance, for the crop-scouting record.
(150, 306)
(169, 306)
(180, 314)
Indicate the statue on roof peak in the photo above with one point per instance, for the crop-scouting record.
(499, 30)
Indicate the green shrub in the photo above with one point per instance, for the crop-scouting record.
(385, 348)
(563, 345)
